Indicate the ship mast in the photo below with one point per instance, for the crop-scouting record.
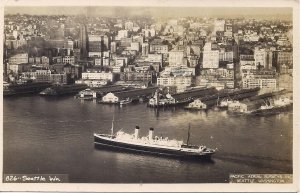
(112, 127)
(188, 137)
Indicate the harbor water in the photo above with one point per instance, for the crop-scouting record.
(55, 136)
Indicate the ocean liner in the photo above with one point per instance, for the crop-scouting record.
(151, 145)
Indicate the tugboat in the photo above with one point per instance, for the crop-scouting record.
(151, 145)
(278, 106)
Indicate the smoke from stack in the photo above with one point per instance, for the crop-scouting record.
(151, 130)
(136, 132)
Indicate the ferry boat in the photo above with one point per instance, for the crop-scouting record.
(151, 145)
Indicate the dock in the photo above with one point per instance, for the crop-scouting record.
(26, 88)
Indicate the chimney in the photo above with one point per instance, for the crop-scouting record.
(151, 134)
(136, 132)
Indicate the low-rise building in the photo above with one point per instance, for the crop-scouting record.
(68, 60)
(18, 59)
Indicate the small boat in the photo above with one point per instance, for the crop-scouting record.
(151, 145)
(87, 94)
(126, 101)
(196, 105)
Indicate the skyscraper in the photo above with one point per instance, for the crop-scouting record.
(83, 42)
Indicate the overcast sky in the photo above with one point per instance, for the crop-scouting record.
(284, 13)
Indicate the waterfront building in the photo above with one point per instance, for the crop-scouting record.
(264, 79)
(265, 84)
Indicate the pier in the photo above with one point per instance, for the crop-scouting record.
(134, 94)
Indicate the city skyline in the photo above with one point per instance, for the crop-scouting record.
(284, 13)
(214, 84)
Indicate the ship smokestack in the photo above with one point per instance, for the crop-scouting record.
(136, 132)
(151, 134)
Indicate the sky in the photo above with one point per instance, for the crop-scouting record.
(257, 12)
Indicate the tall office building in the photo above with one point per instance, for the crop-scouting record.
(95, 48)
(105, 43)
(145, 49)
(210, 57)
(113, 47)
(83, 42)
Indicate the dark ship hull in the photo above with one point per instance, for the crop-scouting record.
(102, 143)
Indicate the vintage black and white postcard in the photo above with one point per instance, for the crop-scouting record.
(177, 96)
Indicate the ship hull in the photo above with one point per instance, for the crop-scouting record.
(102, 143)
(274, 110)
